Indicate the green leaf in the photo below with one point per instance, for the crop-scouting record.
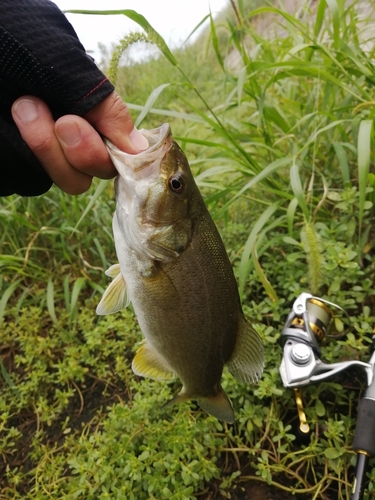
(51, 301)
(8, 379)
(291, 241)
(320, 408)
(343, 162)
(241, 79)
(150, 102)
(98, 191)
(332, 453)
(334, 8)
(77, 287)
(263, 278)
(364, 157)
(197, 27)
(166, 112)
(320, 14)
(295, 182)
(250, 243)
(6, 296)
(291, 210)
(339, 325)
(215, 43)
(263, 174)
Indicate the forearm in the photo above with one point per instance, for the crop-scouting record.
(40, 55)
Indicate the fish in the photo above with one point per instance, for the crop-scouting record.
(174, 269)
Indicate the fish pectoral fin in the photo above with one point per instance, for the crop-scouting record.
(169, 243)
(219, 406)
(148, 363)
(115, 298)
(247, 360)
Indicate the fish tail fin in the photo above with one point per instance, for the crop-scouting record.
(218, 406)
(247, 360)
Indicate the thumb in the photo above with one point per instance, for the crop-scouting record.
(111, 118)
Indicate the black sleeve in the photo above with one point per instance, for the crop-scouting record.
(40, 55)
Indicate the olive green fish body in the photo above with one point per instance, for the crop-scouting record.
(174, 268)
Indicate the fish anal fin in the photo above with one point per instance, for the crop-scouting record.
(148, 363)
(115, 298)
(247, 360)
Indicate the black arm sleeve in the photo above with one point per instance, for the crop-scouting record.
(40, 55)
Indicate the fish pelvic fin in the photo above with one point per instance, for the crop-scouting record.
(218, 406)
(247, 361)
(115, 298)
(148, 363)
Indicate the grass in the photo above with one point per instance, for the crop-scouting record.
(281, 144)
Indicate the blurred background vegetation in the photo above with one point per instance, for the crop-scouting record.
(274, 107)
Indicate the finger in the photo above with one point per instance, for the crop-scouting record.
(83, 147)
(37, 128)
(112, 119)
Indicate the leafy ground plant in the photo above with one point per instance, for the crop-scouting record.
(279, 132)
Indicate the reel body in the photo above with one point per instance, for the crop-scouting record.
(301, 365)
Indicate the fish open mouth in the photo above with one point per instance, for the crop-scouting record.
(156, 137)
(147, 162)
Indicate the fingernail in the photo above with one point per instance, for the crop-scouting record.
(138, 140)
(26, 110)
(68, 132)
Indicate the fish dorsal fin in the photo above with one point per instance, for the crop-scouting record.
(148, 363)
(247, 360)
(115, 298)
(219, 405)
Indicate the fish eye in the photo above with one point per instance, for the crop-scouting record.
(176, 184)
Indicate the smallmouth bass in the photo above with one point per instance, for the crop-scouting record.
(174, 269)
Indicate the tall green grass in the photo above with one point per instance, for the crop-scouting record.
(293, 116)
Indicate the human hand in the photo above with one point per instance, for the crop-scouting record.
(71, 149)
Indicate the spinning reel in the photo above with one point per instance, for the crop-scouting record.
(306, 325)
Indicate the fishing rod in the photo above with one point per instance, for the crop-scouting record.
(306, 325)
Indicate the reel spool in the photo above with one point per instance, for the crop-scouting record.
(320, 317)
